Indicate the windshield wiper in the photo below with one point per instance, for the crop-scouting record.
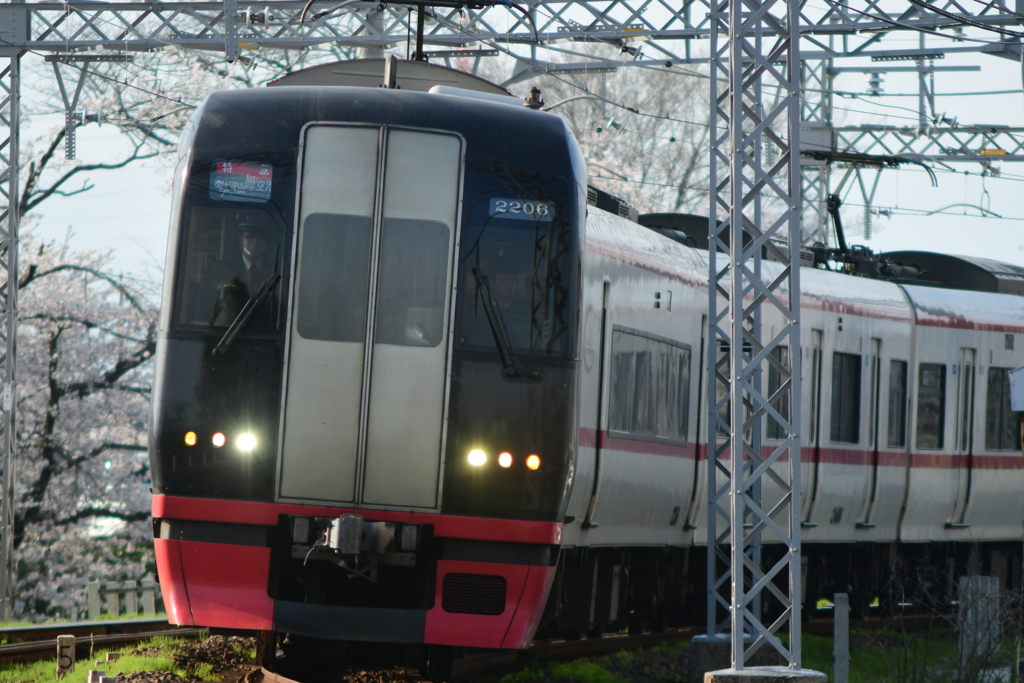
(245, 315)
(501, 338)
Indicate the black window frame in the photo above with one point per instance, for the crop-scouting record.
(782, 404)
(846, 397)
(195, 196)
(897, 405)
(1002, 424)
(924, 399)
(617, 427)
(555, 278)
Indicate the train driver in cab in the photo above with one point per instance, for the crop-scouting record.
(239, 276)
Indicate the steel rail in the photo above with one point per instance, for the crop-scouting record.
(34, 650)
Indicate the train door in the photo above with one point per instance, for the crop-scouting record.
(367, 377)
(964, 438)
(814, 422)
(874, 426)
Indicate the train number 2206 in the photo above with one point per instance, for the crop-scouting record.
(523, 209)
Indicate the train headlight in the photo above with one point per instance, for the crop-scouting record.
(477, 457)
(190, 438)
(246, 441)
(533, 462)
(505, 460)
(219, 439)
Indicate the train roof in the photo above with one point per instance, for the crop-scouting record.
(409, 75)
(273, 118)
(949, 271)
(971, 310)
(963, 272)
(845, 294)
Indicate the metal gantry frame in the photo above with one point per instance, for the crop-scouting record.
(10, 93)
(647, 33)
(760, 50)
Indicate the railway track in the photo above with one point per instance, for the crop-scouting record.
(37, 642)
(475, 666)
(492, 663)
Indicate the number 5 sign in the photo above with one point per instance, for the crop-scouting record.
(65, 655)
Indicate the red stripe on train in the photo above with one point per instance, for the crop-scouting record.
(447, 526)
(826, 456)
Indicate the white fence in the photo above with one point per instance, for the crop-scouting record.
(131, 594)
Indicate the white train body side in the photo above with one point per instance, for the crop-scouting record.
(650, 491)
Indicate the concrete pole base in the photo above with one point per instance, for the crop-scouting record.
(713, 653)
(765, 674)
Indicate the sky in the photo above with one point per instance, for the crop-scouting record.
(127, 210)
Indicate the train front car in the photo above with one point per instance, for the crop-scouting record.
(363, 423)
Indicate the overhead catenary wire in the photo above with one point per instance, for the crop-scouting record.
(966, 21)
(589, 94)
(996, 7)
(532, 64)
(910, 27)
(610, 101)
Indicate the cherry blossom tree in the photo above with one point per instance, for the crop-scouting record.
(643, 129)
(85, 338)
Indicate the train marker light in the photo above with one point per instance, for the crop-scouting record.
(219, 439)
(477, 457)
(505, 460)
(532, 462)
(246, 441)
(190, 438)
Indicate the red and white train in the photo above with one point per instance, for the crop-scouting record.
(413, 387)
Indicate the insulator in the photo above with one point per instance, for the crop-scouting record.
(867, 222)
(875, 81)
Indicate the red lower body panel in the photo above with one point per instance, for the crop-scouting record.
(172, 582)
(530, 609)
(226, 585)
(218, 584)
(485, 630)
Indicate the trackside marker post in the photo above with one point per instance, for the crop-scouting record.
(841, 639)
(65, 655)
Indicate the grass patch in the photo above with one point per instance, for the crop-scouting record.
(583, 671)
(896, 656)
(530, 673)
(672, 650)
(45, 671)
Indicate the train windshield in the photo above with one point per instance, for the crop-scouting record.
(234, 245)
(517, 246)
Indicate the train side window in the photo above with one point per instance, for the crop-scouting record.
(845, 397)
(931, 405)
(897, 404)
(1002, 425)
(650, 389)
(333, 278)
(775, 380)
(722, 389)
